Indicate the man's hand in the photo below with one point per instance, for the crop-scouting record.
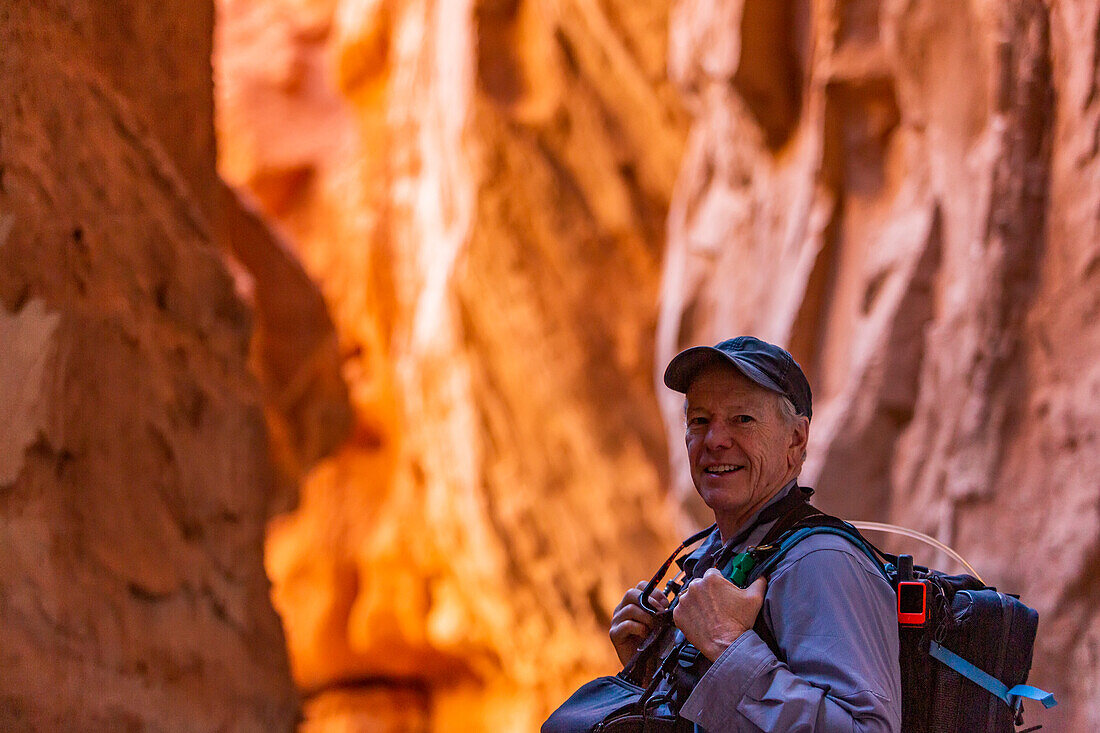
(712, 612)
(630, 624)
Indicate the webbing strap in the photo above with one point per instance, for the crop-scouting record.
(981, 678)
(797, 536)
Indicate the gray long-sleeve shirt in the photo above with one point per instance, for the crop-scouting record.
(834, 617)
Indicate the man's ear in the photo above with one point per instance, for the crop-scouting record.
(800, 436)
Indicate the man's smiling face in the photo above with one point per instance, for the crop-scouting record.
(741, 448)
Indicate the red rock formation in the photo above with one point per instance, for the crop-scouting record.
(443, 169)
(135, 468)
(923, 235)
(902, 191)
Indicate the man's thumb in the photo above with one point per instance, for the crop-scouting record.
(757, 589)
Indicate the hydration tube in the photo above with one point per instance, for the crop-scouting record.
(914, 534)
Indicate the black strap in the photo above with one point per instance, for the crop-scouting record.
(640, 666)
(770, 545)
(765, 633)
(788, 512)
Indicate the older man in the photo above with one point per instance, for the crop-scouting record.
(830, 612)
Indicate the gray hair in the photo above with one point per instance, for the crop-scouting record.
(790, 415)
(787, 408)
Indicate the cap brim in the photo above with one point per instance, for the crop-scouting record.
(686, 365)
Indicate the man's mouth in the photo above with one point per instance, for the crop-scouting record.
(722, 468)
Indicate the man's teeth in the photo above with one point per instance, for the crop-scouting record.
(724, 468)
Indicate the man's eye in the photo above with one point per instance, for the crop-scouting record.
(696, 422)
(744, 419)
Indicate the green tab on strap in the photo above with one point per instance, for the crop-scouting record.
(738, 568)
(988, 681)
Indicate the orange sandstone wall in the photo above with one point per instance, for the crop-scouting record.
(481, 190)
(140, 456)
(134, 475)
(515, 225)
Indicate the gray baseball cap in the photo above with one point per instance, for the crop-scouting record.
(766, 364)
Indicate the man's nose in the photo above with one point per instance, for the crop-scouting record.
(718, 436)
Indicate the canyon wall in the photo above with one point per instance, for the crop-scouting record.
(903, 193)
(516, 220)
(480, 188)
(137, 466)
(517, 211)
(906, 192)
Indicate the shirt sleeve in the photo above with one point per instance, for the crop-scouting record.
(835, 621)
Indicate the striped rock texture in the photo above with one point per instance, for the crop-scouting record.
(902, 192)
(516, 211)
(140, 455)
(906, 193)
(480, 189)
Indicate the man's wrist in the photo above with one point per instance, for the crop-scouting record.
(717, 647)
(714, 650)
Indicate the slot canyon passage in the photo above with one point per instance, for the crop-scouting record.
(351, 314)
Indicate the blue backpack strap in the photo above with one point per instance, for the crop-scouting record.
(886, 564)
(981, 678)
(771, 555)
(837, 527)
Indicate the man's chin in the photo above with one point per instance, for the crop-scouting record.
(732, 496)
(723, 482)
(722, 495)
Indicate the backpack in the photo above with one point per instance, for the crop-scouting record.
(965, 648)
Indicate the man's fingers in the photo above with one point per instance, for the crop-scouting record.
(626, 630)
(713, 574)
(755, 590)
(633, 612)
(634, 595)
(758, 588)
(658, 599)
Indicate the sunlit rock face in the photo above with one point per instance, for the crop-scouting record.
(135, 476)
(481, 190)
(906, 194)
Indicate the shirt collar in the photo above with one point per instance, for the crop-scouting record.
(713, 542)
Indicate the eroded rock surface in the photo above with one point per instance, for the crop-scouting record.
(135, 476)
(904, 192)
(924, 237)
(444, 169)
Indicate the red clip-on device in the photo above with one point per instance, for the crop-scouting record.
(912, 595)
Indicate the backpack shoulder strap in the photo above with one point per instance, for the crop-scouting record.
(768, 557)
